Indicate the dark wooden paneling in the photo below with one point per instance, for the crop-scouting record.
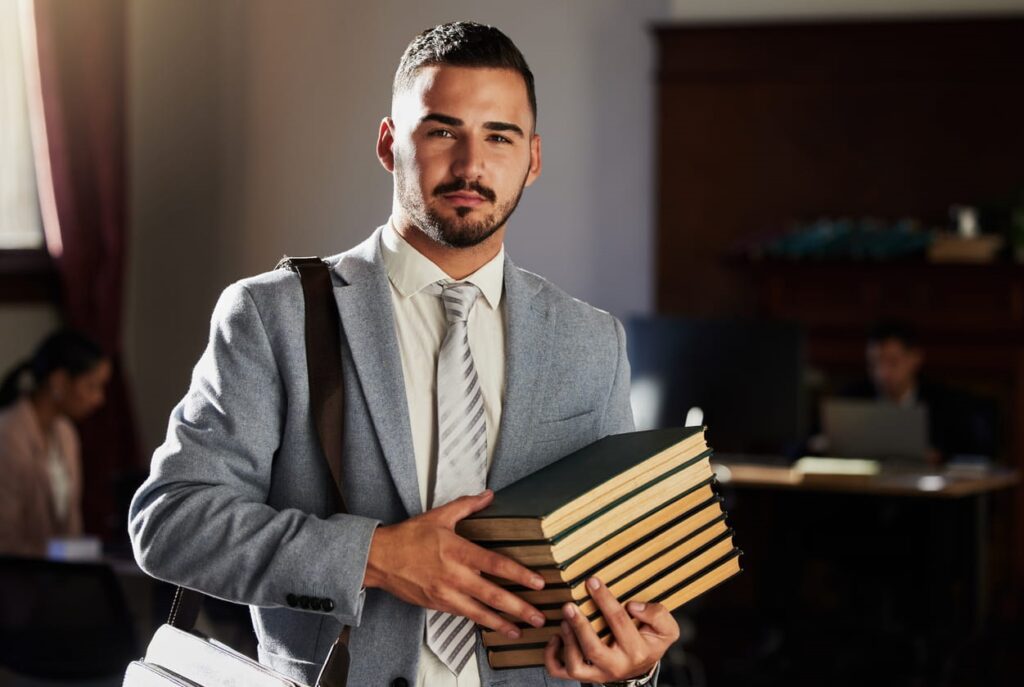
(761, 126)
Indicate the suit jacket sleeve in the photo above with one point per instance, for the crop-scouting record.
(201, 519)
(618, 416)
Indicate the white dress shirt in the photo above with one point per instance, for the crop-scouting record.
(420, 326)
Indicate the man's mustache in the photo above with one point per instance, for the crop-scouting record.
(462, 185)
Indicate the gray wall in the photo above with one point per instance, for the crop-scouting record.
(252, 135)
(251, 130)
(252, 127)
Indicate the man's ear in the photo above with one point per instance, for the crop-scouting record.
(385, 142)
(535, 160)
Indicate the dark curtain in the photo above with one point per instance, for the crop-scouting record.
(81, 50)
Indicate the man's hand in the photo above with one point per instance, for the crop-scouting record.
(633, 651)
(423, 561)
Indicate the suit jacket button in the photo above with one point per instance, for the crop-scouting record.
(304, 601)
(292, 600)
(327, 605)
(314, 603)
(399, 682)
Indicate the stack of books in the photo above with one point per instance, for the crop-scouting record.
(637, 510)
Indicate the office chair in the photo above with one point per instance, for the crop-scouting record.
(63, 621)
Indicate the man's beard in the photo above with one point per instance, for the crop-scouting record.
(457, 232)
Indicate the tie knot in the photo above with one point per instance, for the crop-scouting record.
(458, 299)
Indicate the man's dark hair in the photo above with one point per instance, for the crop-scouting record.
(463, 44)
(893, 330)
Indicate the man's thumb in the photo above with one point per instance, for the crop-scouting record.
(466, 505)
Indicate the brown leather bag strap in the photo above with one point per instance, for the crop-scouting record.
(335, 670)
(323, 370)
(323, 361)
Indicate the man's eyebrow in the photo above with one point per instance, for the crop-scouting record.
(504, 126)
(442, 118)
(455, 121)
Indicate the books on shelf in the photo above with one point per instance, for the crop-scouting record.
(637, 510)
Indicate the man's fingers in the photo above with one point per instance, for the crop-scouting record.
(504, 567)
(481, 615)
(625, 632)
(453, 511)
(495, 597)
(552, 663)
(594, 650)
(575, 661)
(657, 617)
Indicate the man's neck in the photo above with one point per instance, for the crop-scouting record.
(457, 263)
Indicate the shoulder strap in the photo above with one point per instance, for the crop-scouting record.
(323, 360)
(323, 369)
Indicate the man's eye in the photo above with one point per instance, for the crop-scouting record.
(441, 133)
(500, 139)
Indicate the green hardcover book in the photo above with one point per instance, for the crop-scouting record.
(639, 505)
(677, 562)
(552, 500)
(694, 527)
(683, 505)
(669, 592)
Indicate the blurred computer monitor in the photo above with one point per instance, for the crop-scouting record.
(746, 377)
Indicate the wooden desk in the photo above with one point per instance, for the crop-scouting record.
(772, 472)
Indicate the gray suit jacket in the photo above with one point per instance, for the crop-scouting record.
(238, 503)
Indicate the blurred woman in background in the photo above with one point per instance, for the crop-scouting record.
(40, 462)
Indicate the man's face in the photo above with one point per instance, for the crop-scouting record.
(893, 367)
(461, 146)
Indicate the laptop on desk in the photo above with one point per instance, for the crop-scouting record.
(894, 435)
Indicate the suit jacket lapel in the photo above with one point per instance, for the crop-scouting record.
(367, 320)
(528, 329)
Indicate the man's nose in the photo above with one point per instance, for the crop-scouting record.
(469, 162)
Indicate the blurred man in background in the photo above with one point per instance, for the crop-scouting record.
(957, 423)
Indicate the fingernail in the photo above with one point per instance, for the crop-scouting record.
(537, 582)
(593, 583)
(513, 634)
(636, 606)
(569, 611)
(537, 620)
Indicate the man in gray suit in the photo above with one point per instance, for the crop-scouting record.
(460, 371)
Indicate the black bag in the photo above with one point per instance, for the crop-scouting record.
(177, 654)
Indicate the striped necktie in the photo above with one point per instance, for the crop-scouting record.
(461, 453)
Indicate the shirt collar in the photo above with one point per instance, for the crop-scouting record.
(410, 271)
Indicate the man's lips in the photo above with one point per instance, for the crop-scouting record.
(462, 198)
